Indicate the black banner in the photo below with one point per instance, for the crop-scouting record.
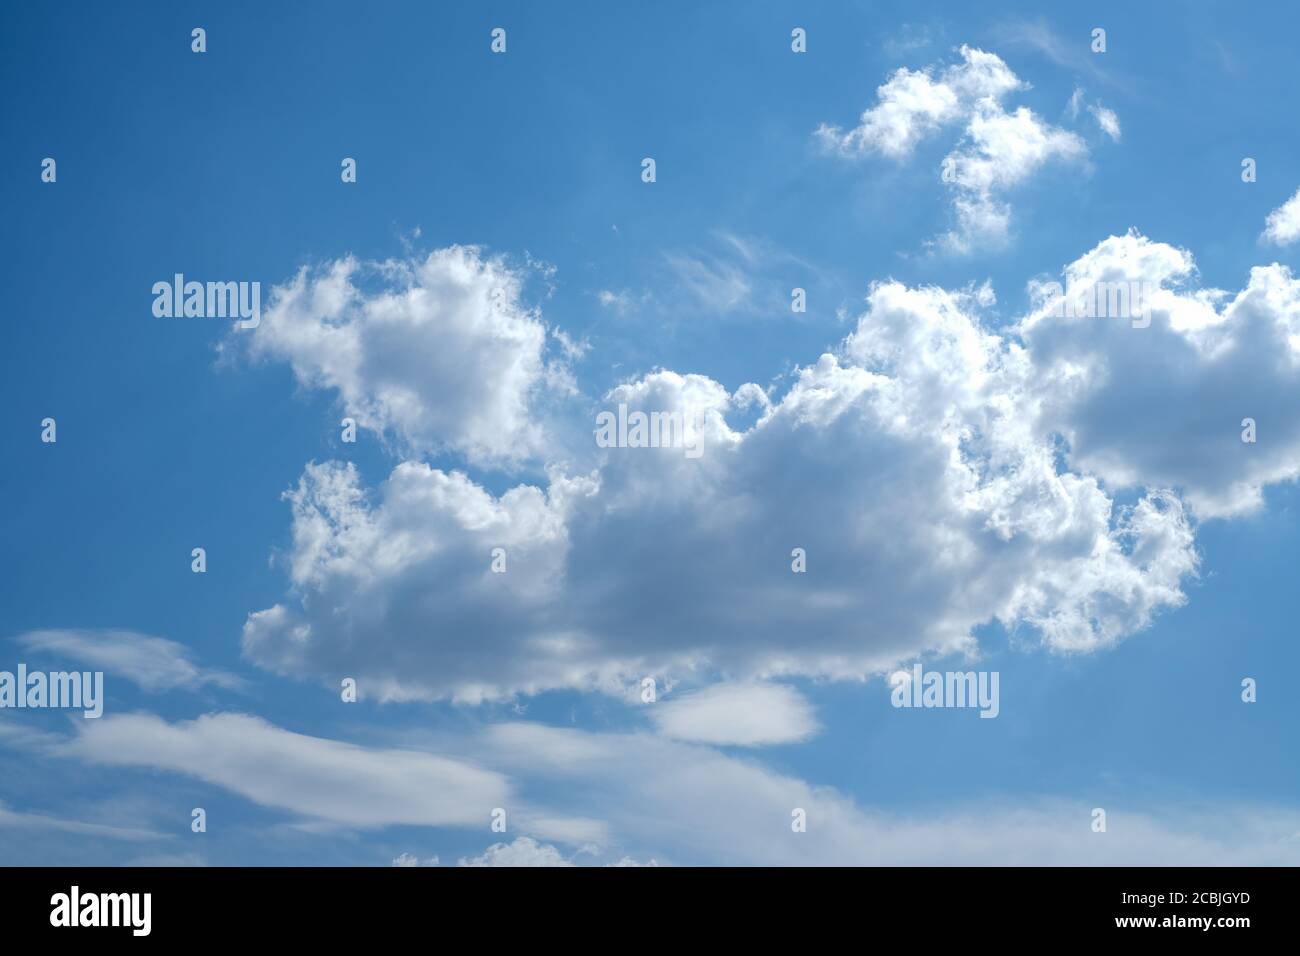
(332, 905)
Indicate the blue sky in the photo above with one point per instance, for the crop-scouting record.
(1102, 538)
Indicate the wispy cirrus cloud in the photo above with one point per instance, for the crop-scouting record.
(151, 663)
(736, 274)
(1072, 54)
(13, 819)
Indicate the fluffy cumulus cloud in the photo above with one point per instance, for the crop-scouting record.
(523, 851)
(1283, 224)
(912, 104)
(1162, 398)
(933, 476)
(438, 354)
(403, 579)
(997, 149)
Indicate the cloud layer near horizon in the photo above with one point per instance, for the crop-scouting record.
(659, 800)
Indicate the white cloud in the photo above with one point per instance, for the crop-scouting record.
(661, 800)
(730, 273)
(1076, 102)
(1163, 406)
(746, 714)
(998, 148)
(690, 804)
(981, 223)
(1003, 148)
(917, 466)
(13, 819)
(327, 780)
(912, 104)
(1283, 224)
(999, 151)
(1064, 51)
(410, 860)
(1107, 120)
(153, 663)
(524, 851)
(441, 353)
(620, 302)
(715, 284)
(417, 564)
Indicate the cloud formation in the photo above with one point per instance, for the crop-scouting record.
(998, 148)
(151, 663)
(689, 804)
(12, 819)
(1165, 405)
(327, 780)
(439, 353)
(936, 475)
(659, 800)
(1283, 224)
(912, 104)
(746, 715)
(1107, 119)
(523, 851)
